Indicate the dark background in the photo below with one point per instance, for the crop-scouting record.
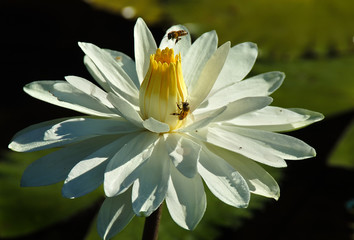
(39, 42)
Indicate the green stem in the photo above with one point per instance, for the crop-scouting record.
(151, 226)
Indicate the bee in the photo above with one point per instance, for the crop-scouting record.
(176, 35)
(184, 110)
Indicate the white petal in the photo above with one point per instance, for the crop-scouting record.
(185, 199)
(260, 85)
(96, 74)
(202, 120)
(184, 154)
(127, 64)
(281, 145)
(259, 180)
(117, 78)
(121, 171)
(277, 119)
(182, 45)
(144, 46)
(313, 117)
(238, 64)
(31, 138)
(114, 215)
(63, 94)
(155, 126)
(223, 180)
(87, 175)
(66, 131)
(197, 56)
(125, 109)
(56, 166)
(242, 106)
(149, 190)
(232, 141)
(208, 76)
(90, 89)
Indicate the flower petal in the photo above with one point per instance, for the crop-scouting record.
(202, 120)
(197, 56)
(155, 126)
(90, 89)
(87, 175)
(31, 138)
(223, 180)
(185, 199)
(97, 74)
(121, 171)
(260, 85)
(125, 109)
(149, 190)
(313, 117)
(127, 64)
(277, 119)
(183, 44)
(117, 78)
(259, 180)
(56, 166)
(232, 141)
(242, 106)
(238, 64)
(114, 215)
(208, 76)
(66, 131)
(281, 145)
(144, 46)
(184, 154)
(65, 95)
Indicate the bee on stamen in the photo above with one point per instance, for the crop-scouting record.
(176, 35)
(184, 110)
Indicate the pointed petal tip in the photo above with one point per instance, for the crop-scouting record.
(108, 192)
(269, 100)
(81, 44)
(320, 117)
(11, 146)
(243, 205)
(66, 195)
(254, 45)
(228, 44)
(276, 197)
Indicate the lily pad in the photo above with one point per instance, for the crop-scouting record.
(284, 29)
(321, 85)
(343, 154)
(217, 216)
(27, 210)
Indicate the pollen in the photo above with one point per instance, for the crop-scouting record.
(166, 56)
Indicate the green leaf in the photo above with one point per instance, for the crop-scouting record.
(321, 85)
(343, 155)
(218, 215)
(282, 29)
(27, 210)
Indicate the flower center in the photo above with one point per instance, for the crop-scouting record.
(163, 93)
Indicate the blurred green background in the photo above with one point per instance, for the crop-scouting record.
(310, 40)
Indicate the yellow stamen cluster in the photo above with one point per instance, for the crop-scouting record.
(163, 88)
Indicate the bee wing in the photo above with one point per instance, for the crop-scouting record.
(182, 45)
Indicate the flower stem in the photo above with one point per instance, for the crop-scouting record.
(151, 226)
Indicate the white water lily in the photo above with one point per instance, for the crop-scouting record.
(140, 143)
